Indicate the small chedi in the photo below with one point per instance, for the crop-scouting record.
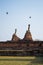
(21, 47)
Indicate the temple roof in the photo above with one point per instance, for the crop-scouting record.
(15, 37)
(28, 35)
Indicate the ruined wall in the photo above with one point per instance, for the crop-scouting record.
(21, 48)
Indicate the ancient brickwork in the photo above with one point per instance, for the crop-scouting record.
(21, 47)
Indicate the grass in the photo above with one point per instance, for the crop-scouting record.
(12, 60)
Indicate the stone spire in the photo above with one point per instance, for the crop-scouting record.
(28, 35)
(15, 37)
(28, 27)
(15, 31)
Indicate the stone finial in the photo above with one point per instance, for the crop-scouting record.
(15, 31)
(28, 27)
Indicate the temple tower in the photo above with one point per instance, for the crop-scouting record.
(15, 37)
(28, 35)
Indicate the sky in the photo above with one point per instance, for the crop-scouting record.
(18, 18)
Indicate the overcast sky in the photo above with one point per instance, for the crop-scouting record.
(18, 17)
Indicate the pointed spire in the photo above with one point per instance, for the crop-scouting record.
(15, 37)
(28, 35)
(28, 27)
(15, 31)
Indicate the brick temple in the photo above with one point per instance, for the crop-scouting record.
(21, 47)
